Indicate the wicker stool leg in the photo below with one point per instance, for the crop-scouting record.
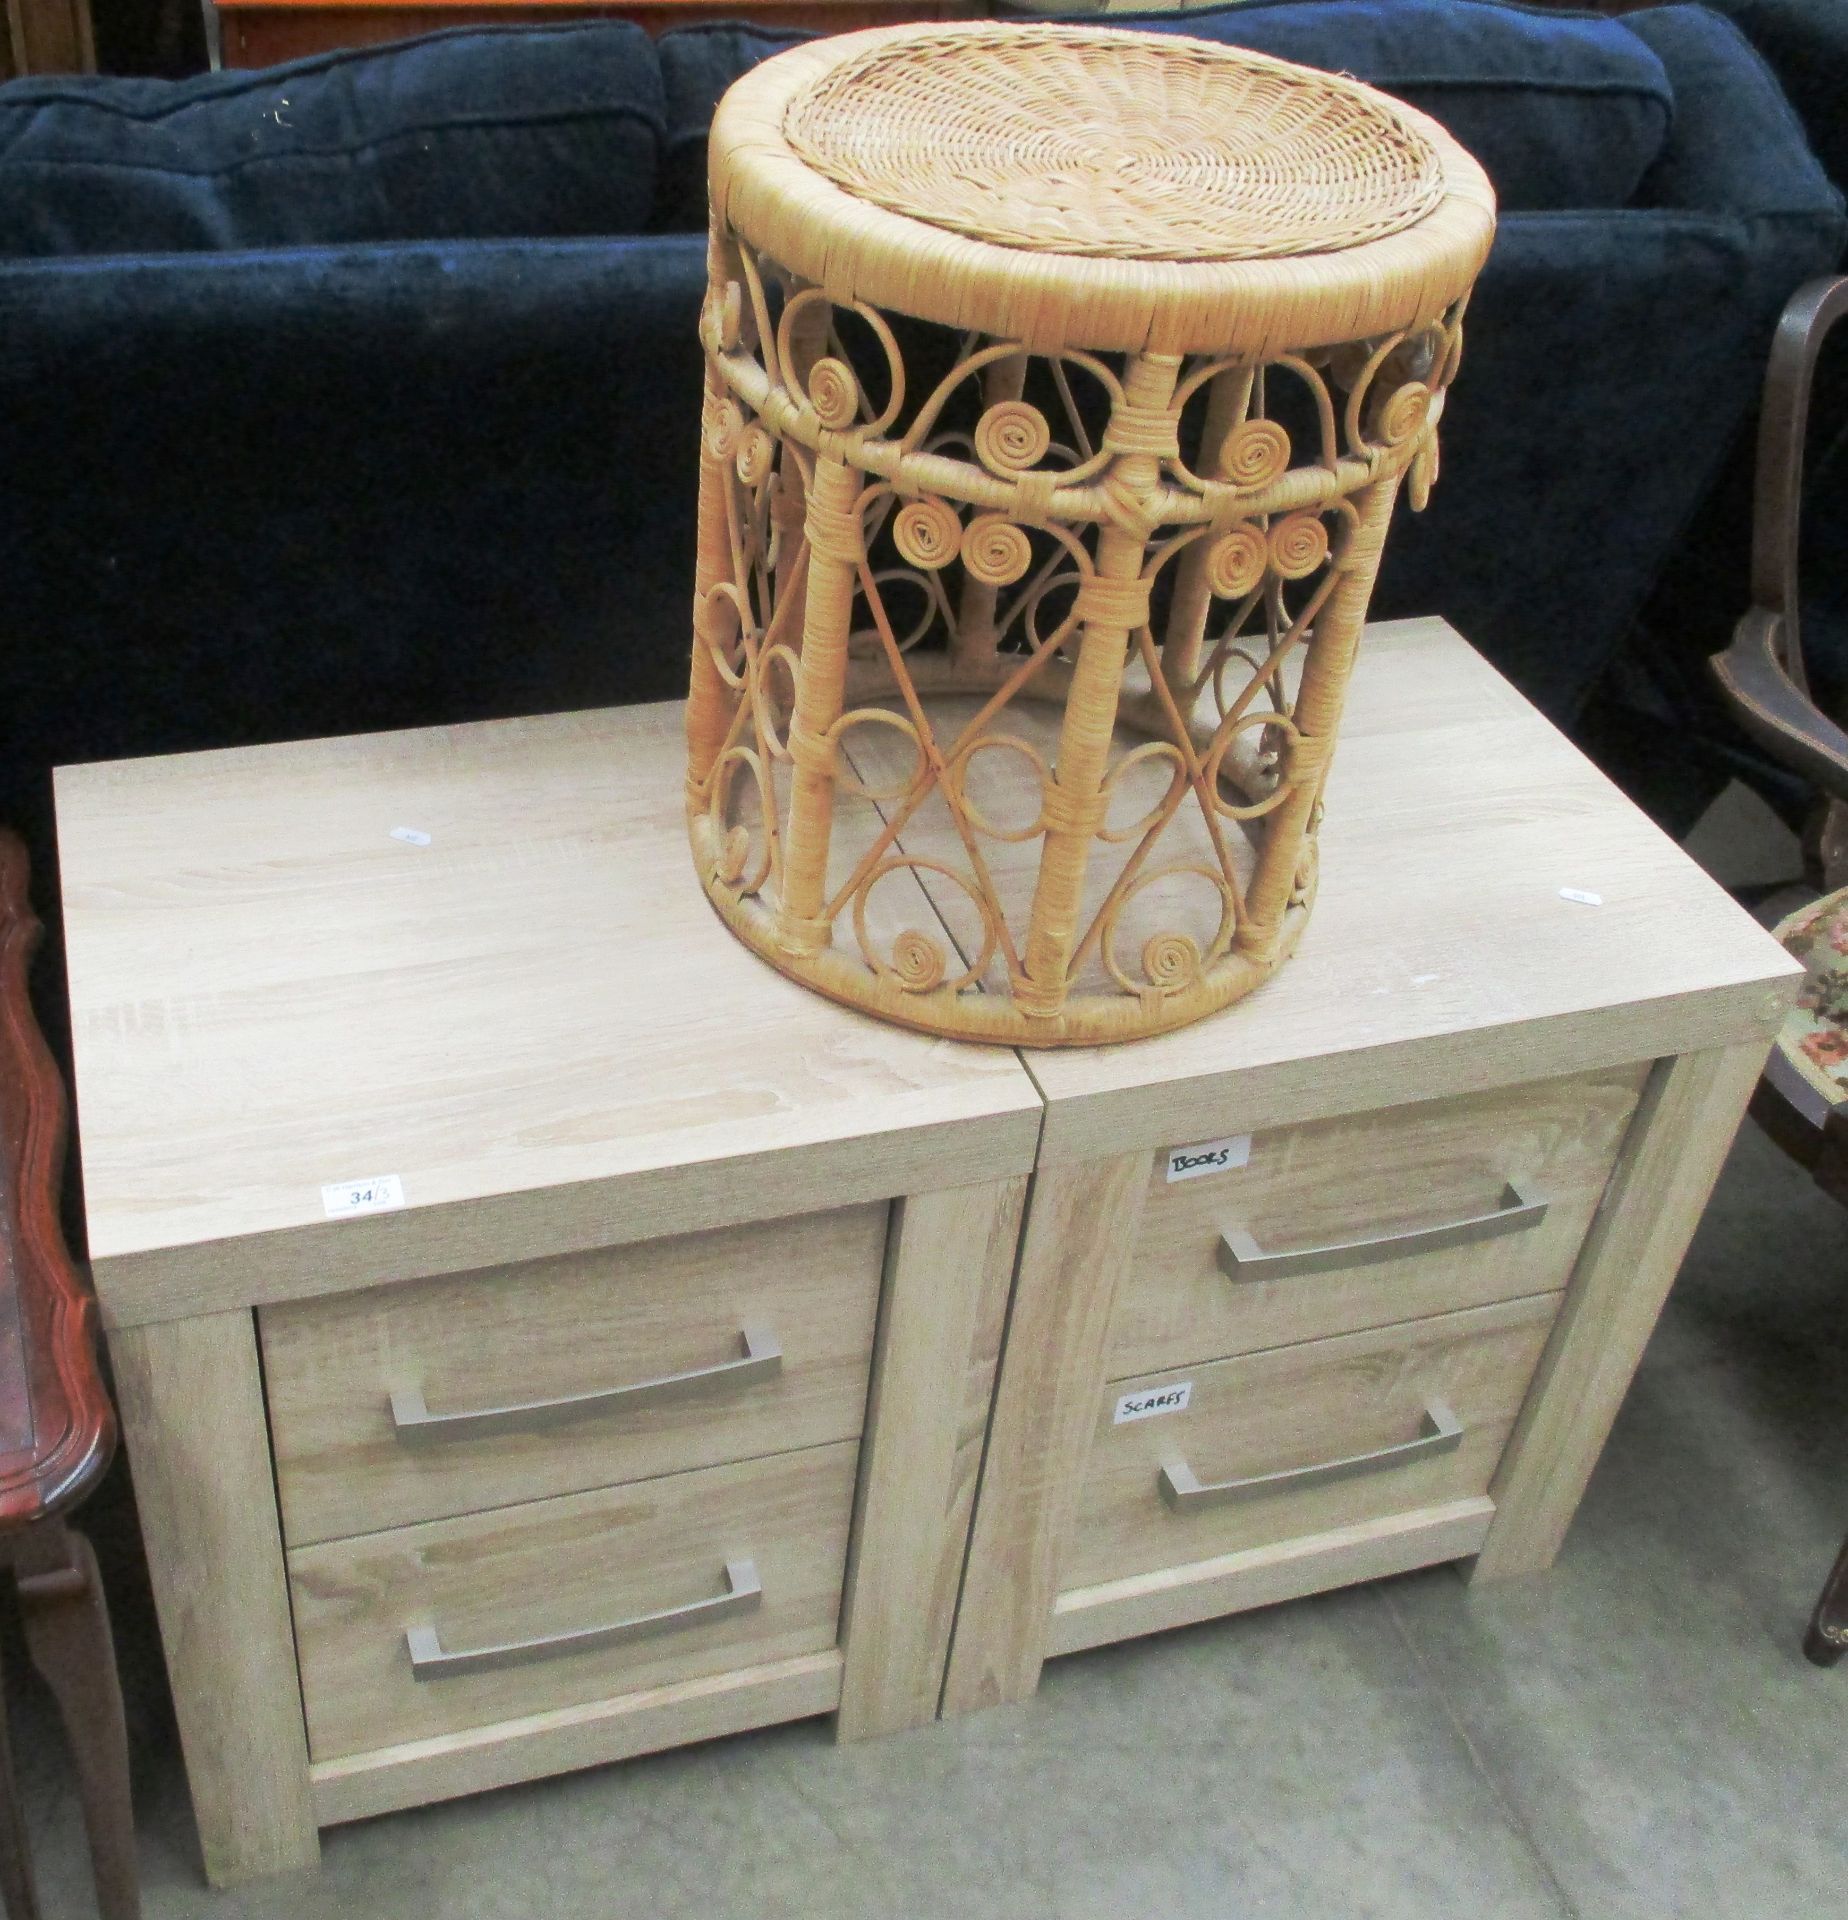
(16, 1893)
(788, 513)
(710, 702)
(1827, 1638)
(1317, 714)
(834, 549)
(67, 1632)
(1074, 799)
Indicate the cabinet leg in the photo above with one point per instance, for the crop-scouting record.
(66, 1623)
(193, 1424)
(1690, 1110)
(1827, 1638)
(950, 1264)
(1081, 1227)
(16, 1893)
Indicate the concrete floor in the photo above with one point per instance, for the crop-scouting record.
(1633, 1735)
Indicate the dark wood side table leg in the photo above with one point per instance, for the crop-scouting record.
(1827, 1639)
(67, 1632)
(16, 1894)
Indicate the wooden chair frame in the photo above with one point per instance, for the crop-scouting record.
(1762, 674)
(57, 1433)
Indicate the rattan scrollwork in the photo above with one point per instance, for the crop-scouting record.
(967, 598)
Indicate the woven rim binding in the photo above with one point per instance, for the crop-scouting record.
(1117, 146)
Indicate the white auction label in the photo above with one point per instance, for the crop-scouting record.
(411, 836)
(1208, 1156)
(377, 1195)
(1153, 1400)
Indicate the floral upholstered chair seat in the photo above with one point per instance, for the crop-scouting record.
(1815, 1036)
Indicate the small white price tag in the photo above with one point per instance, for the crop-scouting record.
(1153, 1400)
(411, 836)
(1208, 1156)
(377, 1195)
(1579, 895)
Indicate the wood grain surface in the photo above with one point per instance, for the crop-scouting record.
(576, 1324)
(949, 1277)
(559, 1566)
(534, 1021)
(1299, 1407)
(1356, 1178)
(1441, 957)
(1690, 1111)
(191, 1394)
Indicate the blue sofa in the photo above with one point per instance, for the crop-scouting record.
(1659, 716)
(363, 392)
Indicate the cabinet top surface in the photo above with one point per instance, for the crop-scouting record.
(270, 993)
(1445, 948)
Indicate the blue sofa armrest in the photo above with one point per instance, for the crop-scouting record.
(1806, 45)
(1736, 145)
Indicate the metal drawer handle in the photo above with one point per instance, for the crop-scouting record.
(1440, 1431)
(429, 1661)
(762, 1359)
(1241, 1258)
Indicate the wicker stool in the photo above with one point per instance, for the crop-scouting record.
(1060, 382)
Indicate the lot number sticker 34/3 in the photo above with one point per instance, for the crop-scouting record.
(1208, 1156)
(378, 1193)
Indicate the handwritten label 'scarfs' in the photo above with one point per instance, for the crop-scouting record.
(1149, 1401)
(378, 1194)
(1208, 1156)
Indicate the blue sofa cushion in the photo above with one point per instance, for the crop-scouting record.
(1562, 111)
(476, 134)
(697, 65)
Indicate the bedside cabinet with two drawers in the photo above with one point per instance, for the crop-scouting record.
(1351, 1279)
(543, 1333)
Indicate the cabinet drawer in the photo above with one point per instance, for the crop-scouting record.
(669, 1355)
(460, 1624)
(1349, 1407)
(1364, 1203)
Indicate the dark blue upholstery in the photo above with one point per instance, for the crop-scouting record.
(697, 65)
(461, 136)
(256, 482)
(1610, 360)
(369, 484)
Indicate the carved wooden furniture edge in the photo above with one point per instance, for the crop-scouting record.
(57, 1310)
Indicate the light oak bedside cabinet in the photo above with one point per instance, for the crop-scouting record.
(543, 1333)
(1351, 1278)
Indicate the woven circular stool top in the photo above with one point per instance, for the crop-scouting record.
(1136, 147)
(1092, 188)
